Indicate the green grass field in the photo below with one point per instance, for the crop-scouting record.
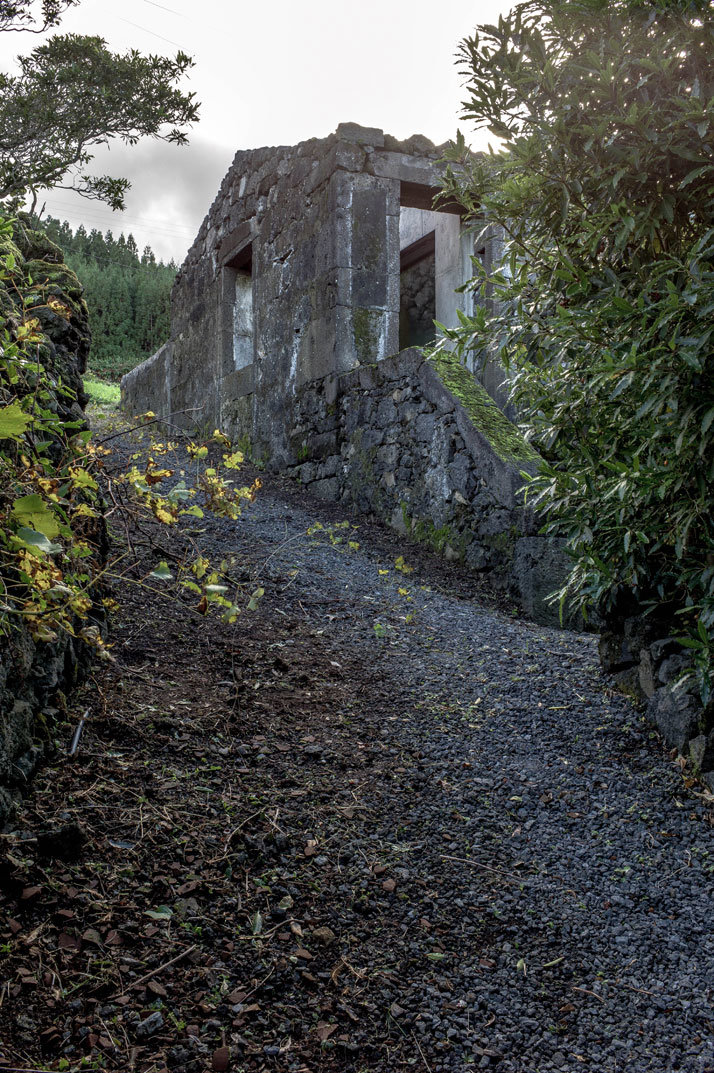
(102, 393)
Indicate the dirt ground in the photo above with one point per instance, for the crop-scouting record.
(251, 863)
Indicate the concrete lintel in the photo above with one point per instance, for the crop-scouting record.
(415, 195)
(235, 247)
(406, 168)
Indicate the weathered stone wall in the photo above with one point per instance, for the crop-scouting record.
(34, 675)
(315, 227)
(395, 441)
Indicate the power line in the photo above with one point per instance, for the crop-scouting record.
(138, 27)
(164, 8)
(174, 231)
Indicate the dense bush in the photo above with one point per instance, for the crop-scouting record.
(605, 189)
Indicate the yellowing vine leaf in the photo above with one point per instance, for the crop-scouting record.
(81, 478)
(13, 422)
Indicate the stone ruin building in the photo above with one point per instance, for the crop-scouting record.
(295, 326)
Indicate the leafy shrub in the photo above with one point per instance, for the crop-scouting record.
(53, 541)
(605, 190)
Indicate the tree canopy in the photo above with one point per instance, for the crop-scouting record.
(21, 16)
(73, 94)
(605, 190)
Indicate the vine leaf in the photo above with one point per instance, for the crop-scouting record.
(32, 539)
(32, 511)
(13, 422)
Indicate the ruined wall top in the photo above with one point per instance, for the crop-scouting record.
(244, 193)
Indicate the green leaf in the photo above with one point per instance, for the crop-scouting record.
(707, 420)
(32, 539)
(255, 598)
(163, 912)
(32, 512)
(162, 572)
(14, 422)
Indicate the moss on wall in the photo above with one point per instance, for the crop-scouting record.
(366, 339)
(424, 531)
(502, 434)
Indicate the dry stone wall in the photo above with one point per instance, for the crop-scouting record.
(643, 653)
(394, 441)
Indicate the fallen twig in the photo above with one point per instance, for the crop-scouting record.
(486, 867)
(423, 1056)
(158, 969)
(593, 993)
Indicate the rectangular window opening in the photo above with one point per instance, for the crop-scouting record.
(239, 352)
(417, 292)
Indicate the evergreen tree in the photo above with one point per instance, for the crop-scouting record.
(128, 295)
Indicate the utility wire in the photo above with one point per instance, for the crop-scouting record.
(164, 8)
(175, 231)
(138, 27)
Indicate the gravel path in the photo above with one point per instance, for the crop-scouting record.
(538, 822)
(380, 825)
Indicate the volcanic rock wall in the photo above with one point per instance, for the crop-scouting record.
(35, 675)
(421, 445)
(284, 317)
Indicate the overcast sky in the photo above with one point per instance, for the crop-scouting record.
(268, 73)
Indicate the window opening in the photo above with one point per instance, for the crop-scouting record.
(417, 292)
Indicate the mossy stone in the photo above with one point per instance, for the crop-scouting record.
(366, 338)
(502, 434)
(37, 246)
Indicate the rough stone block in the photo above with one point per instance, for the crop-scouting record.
(387, 457)
(323, 444)
(424, 427)
(615, 653)
(386, 412)
(701, 752)
(326, 489)
(368, 376)
(371, 437)
(539, 568)
(677, 715)
(407, 168)
(353, 132)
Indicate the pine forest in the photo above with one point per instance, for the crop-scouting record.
(127, 294)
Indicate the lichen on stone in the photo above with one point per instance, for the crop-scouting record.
(502, 434)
